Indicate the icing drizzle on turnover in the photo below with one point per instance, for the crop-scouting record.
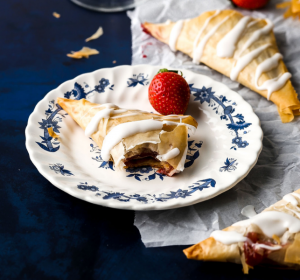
(174, 34)
(232, 237)
(243, 61)
(227, 47)
(170, 154)
(248, 211)
(200, 48)
(200, 33)
(291, 198)
(270, 222)
(127, 129)
(273, 222)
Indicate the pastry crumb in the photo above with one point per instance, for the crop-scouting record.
(293, 9)
(84, 52)
(57, 15)
(96, 35)
(52, 133)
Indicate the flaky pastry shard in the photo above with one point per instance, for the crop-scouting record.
(242, 48)
(133, 138)
(271, 238)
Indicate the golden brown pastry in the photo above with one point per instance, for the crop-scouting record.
(240, 47)
(270, 238)
(133, 138)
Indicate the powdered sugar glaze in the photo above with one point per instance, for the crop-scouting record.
(227, 47)
(127, 129)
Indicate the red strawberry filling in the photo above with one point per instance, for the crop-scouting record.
(253, 254)
(144, 29)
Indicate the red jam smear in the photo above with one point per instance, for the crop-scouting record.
(144, 29)
(255, 256)
(165, 171)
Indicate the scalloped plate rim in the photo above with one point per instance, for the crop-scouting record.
(133, 206)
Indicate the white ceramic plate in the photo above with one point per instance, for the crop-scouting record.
(223, 150)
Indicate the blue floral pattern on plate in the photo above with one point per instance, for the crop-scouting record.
(230, 164)
(138, 79)
(147, 173)
(78, 92)
(59, 168)
(150, 198)
(54, 113)
(225, 109)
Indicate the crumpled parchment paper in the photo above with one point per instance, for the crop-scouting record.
(277, 171)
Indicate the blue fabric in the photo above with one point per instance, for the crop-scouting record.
(44, 232)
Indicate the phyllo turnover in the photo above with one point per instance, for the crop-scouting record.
(134, 138)
(271, 238)
(240, 47)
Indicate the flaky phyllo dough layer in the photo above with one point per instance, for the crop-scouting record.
(285, 98)
(288, 256)
(140, 149)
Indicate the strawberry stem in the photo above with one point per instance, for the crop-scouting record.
(164, 70)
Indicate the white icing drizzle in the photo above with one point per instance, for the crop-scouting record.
(243, 61)
(296, 195)
(266, 66)
(272, 84)
(125, 130)
(175, 34)
(256, 34)
(119, 111)
(191, 128)
(275, 84)
(227, 45)
(228, 237)
(93, 124)
(180, 166)
(270, 222)
(232, 237)
(106, 105)
(169, 155)
(293, 211)
(291, 199)
(127, 115)
(264, 246)
(175, 117)
(200, 48)
(248, 211)
(202, 29)
(273, 222)
(252, 23)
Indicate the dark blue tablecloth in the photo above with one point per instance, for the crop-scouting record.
(44, 232)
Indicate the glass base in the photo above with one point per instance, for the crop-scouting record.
(108, 6)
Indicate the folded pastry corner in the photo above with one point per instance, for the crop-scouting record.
(240, 47)
(134, 138)
(271, 238)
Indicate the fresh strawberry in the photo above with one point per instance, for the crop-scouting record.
(250, 4)
(169, 93)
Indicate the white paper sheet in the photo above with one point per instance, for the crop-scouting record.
(277, 171)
